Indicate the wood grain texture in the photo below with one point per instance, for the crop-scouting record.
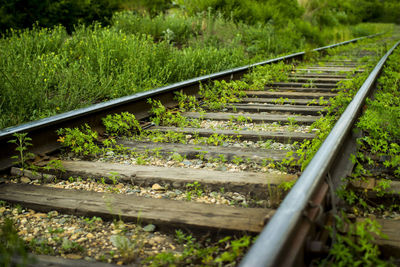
(256, 118)
(53, 261)
(316, 79)
(294, 95)
(286, 137)
(245, 182)
(209, 152)
(130, 208)
(294, 109)
(302, 84)
(291, 101)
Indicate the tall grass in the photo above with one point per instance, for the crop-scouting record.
(48, 71)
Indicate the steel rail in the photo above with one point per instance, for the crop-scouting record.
(43, 131)
(269, 248)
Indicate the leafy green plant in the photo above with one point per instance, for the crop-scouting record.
(55, 165)
(220, 93)
(82, 142)
(186, 102)
(227, 251)
(22, 141)
(243, 119)
(125, 247)
(122, 124)
(286, 186)
(114, 177)
(222, 158)
(177, 157)
(237, 160)
(292, 122)
(128, 248)
(92, 220)
(68, 246)
(235, 250)
(357, 246)
(281, 100)
(267, 74)
(195, 188)
(163, 116)
(12, 245)
(201, 155)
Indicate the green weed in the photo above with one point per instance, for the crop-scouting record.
(226, 251)
(22, 141)
(357, 245)
(12, 245)
(122, 124)
(82, 142)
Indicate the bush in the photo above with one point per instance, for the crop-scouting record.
(249, 11)
(19, 14)
(170, 28)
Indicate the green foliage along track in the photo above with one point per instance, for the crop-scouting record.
(46, 71)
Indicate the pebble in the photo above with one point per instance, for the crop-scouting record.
(74, 236)
(40, 215)
(149, 228)
(172, 195)
(120, 186)
(176, 184)
(221, 168)
(156, 240)
(156, 187)
(178, 192)
(249, 126)
(25, 180)
(93, 237)
(53, 213)
(187, 163)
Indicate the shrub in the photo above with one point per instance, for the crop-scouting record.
(19, 14)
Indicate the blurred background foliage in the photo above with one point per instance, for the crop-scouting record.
(20, 14)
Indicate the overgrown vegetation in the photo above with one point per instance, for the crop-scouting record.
(355, 244)
(122, 124)
(84, 142)
(227, 251)
(11, 245)
(157, 43)
(347, 89)
(19, 14)
(379, 147)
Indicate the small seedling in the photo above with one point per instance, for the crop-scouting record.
(114, 177)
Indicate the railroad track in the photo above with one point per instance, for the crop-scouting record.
(214, 160)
